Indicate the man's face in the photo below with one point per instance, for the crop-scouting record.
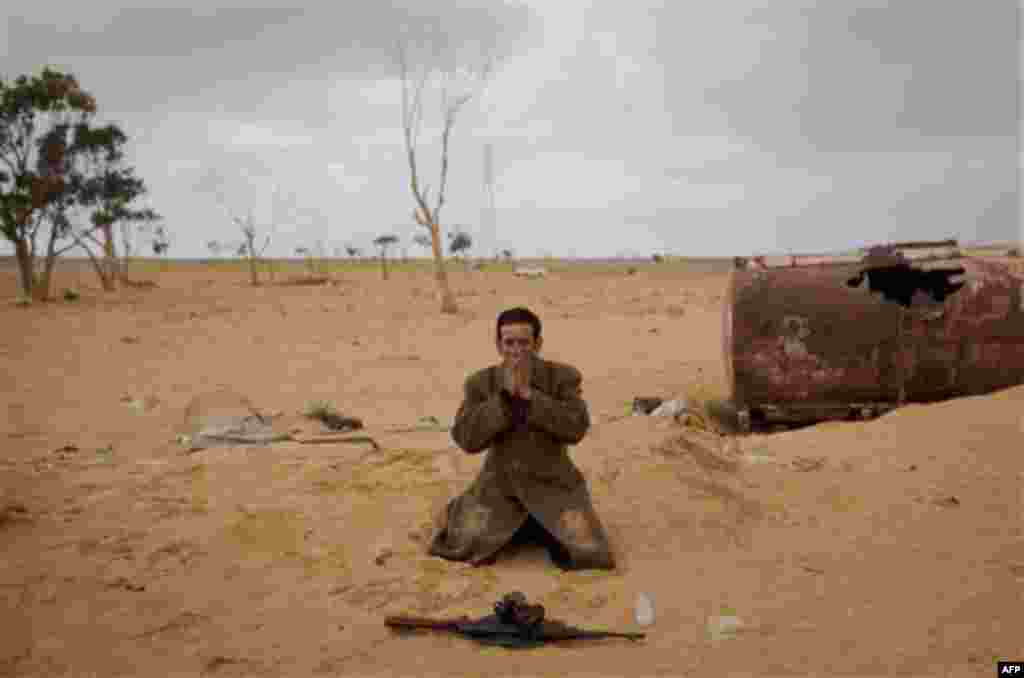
(517, 343)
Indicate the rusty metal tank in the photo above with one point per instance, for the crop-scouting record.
(823, 337)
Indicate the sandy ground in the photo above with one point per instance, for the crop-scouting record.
(891, 547)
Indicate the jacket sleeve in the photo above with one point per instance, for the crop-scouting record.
(480, 419)
(564, 416)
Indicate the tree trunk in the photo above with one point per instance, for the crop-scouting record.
(26, 275)
(45, 280)
(109, 277)
(43, 284)
(253, 272)
(96, 263)
(447, 298)
(384, 266)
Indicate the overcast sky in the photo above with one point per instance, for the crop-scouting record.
(696, 128)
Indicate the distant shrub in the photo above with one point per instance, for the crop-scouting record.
(71, 295)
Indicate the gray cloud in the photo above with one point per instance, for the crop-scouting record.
(142, 56)
(848, 75)
(702, 128)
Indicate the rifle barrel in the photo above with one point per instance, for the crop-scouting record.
(425, 623)
(583, 634)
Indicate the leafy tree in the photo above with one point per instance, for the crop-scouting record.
(353, 251)
(460, 242)
(383, 242)
(110, 192)
(161, 241)
(45, 137)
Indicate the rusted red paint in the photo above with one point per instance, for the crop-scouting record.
(799, 339)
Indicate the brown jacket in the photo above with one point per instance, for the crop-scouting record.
(527, 471)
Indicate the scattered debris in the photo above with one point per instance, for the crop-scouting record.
(528, 272)
(671, 408)
(246, 430)
(644, 610)
(127, 584)
(14, 512)
(324, 411)
(139, 284)
(223, 418)
(808, 463)
(950, 501)
(644, 406)
(427, 423)
(141, 405)
(130, 340)
(382, 553)
(759, 457)
(724, 627)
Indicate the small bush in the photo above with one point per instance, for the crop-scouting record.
(22, 301)
(71, 295)
(320, 409)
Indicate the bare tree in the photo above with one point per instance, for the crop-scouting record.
(316, 259)
(214, 182)
(383, 242)
(247, 248)
(458, 86)
(136, 236)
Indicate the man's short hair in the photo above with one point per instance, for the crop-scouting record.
(518, 316)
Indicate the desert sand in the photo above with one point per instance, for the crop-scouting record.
(880, 548)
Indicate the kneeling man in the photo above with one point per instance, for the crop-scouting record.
(526, 411)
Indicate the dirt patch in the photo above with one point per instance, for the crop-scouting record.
(902, 533)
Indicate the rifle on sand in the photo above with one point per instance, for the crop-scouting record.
(514, 624)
